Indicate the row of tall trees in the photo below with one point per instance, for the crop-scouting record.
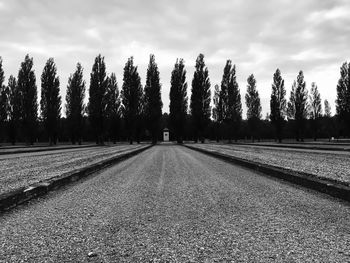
(18, 105)
(105, 109)
(136, 108)
(300, 107)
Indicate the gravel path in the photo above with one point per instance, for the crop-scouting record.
(172, 204)
(19, 170)
(323, 164)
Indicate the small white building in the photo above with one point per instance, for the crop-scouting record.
(166, 134)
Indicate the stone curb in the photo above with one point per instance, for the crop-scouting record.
(303, 179)
(18, 196)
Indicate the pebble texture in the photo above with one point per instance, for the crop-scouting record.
(319, 163)
(172, 204)
(320, 145)
(19, 170)
(14, 149)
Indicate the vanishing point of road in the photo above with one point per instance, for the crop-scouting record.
(172, 204)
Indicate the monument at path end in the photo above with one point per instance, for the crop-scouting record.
(166, 135)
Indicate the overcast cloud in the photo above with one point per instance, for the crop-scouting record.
(258, 36)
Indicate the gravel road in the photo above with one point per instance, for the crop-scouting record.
(172, 204)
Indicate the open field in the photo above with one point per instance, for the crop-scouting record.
(41, 150)
(332, 165)
(307, 145)
(311, 145)
(172, 204)
(23, 169)
(41, 144)
(41, 147)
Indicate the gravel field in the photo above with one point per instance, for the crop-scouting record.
(323, 164)
(18, 170)
(37, 148)
(314, 145)
(46, 152)
(172, 204)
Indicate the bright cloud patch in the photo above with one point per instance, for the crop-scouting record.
(258, 36)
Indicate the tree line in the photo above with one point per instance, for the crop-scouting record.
(135, 112)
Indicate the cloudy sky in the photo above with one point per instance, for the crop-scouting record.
(258, 36)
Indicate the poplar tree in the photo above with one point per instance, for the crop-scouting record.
(343, 96)
(315, 109)
(15, 108)
(153, 101)
(75, 104)
(200, 98)
(112, 108)
(28, 89)
(233, 109)
(229, 106)
(178, 100)
(132, 99)
(278, 104)
(301, 105)
(327, 109)
(217, 109)
(291, 103)
(3, 102)
(223, 94)
(217, 112)
(328, 119)
(253, 104)
(97, 92)
(50, 103)
(298, 106)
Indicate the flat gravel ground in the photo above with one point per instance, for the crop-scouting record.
(172, 204)
(321, 145)
(20, 170)
(333, 165)
(35, 148)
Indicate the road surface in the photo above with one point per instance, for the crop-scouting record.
(172, 204)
